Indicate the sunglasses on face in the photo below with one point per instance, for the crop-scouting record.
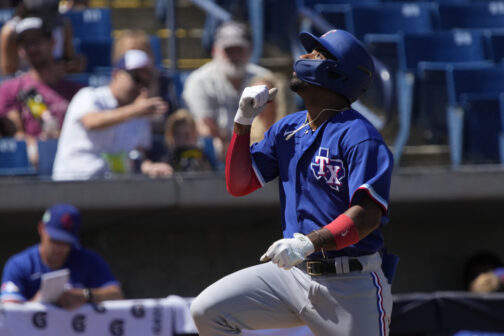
(138, 79)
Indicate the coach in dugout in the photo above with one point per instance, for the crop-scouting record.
(90, 278)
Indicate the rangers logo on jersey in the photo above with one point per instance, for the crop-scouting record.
(332, 170)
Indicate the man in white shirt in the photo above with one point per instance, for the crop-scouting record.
(212, 92)
(103, 125)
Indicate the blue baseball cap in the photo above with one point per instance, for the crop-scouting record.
(62, 222)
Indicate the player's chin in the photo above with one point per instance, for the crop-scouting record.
(297, 84)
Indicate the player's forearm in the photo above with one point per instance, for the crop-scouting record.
(355, 224)
(104, 119)
(240, 176)
(106, 293)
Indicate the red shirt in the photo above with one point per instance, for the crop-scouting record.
(32, 97)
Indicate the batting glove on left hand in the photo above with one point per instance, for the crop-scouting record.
(289, 252)
(252, 102)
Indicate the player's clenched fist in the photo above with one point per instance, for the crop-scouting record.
(289, 252)
(252, 102)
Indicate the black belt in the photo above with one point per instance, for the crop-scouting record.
(323, 267)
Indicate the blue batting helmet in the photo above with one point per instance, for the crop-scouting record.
(349, 73)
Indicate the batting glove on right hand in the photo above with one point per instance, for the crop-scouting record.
(289, 252)
(252, 102)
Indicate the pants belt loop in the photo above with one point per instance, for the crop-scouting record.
(346, 266)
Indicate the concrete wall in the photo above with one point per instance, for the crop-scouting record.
(181, 247)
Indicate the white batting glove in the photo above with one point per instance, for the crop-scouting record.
(289, 252)
(252, 102)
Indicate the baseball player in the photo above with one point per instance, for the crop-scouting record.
(334, 173)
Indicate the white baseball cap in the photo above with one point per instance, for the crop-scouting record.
(134, 59)
(232, 34)
(29, 23)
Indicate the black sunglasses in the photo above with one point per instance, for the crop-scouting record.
(138, 79)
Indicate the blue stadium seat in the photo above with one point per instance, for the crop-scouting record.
(497, 46)
(5, 15)
(98, 51)
(313, 3)
(391, 18)
(14, 158)
(483, 15)
(158, 149)
(94, 79)
(475, 113)
(90, 23)
(482, 139)
(47, 153)
(423, 60)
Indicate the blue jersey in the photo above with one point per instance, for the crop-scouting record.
(22, 272)
(322, 173)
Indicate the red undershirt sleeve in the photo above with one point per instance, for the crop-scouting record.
(240, 176)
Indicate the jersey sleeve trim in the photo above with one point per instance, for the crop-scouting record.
(12, 298)
(373, 195)
(258, 174)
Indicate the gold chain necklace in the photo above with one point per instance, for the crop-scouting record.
(306, 123)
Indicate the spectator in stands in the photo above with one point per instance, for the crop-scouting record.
(161, 85)
(35, 103)
(90, 277)
(181, 137)
(213, 91)
(273, 111)
(61, 30)
(484, 273)
(103, 125)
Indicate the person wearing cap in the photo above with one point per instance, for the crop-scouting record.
(211, 92)
(330, 271)
(36, 102)
(91, 280)
(61, 30)
(103, 125)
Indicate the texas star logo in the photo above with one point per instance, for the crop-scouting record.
(332, 170)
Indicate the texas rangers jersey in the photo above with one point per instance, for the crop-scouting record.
(23, 272)
(322, 173)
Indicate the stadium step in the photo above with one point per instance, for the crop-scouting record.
(190, 25)
(426, 156)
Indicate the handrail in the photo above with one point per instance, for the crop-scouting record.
(213, 9)
(315, 19)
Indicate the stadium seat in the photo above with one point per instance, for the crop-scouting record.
(90, 23)
(47, 153)
(423, 60)
(5, 15)
(475, 115)
(313, 3)
(14, 158)
(90, 79)
(482, 15)
(482, 139)
(390, 18)
(98, 51)
(158, 148)
(496, 40)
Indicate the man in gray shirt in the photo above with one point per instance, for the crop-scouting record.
(212, 92)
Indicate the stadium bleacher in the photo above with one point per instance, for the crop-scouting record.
(445, 59)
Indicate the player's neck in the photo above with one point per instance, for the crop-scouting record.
(326, 101)
(318, 113)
